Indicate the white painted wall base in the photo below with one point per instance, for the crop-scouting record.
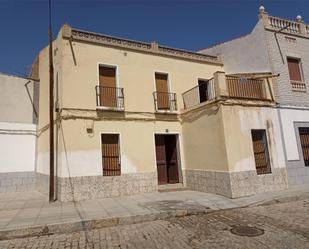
(17, 147)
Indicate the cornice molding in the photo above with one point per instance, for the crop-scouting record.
(152, 48)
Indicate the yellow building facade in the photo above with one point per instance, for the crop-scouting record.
(135, 117)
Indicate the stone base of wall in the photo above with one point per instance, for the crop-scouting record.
(235, 184)
(249, 183)
(298, 174)
(17, 182)
(42, 183)
(208, 181)
(90, 187)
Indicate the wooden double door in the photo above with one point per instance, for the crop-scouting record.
(166, 156)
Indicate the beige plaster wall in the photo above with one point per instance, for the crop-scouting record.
(81, 154)
(135, 75)
(204, 141)
(15, 103)
(238, 122)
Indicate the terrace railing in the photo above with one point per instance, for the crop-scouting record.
(202, 93)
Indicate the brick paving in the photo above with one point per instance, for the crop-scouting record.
(286, 225)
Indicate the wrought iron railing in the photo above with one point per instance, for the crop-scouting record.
(246, 88)
(165, 101)
(110, 97)
(202, 93)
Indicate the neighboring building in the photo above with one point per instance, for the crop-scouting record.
(135, 117)
(280, 46)
(17, 133)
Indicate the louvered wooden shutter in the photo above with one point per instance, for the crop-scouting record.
(294, 69)
(108, 91)
(162, 91)
(260, 150)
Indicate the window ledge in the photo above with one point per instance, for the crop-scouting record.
(105, 108)
(166, 112)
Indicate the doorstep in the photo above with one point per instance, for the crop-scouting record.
(171, 187)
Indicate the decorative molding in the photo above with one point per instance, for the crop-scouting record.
(153, 48)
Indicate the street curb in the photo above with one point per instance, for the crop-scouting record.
(89, 224)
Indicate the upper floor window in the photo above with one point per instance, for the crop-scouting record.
(108, 94)
(295, 72)
(164, 99)
(294, 66)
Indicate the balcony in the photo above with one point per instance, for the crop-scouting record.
(165, 101)
(245, 88)
(199, 94)
(109, 98)
(222, 87)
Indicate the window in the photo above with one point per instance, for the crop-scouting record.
(304, 141)
(110, 154)
(163, 102)
(107, 86)
(260, 150)
(294, 69)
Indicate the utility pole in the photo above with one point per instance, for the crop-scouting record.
(51, 111)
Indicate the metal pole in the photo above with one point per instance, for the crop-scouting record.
(51, 111)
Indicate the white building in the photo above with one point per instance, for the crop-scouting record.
(17, 133)
(282, 47)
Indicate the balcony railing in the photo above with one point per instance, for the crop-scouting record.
(165, 101)
(110, 97)
(245, 88)
(199, 94)
(299, 86)
(280, 23)
(223, 87)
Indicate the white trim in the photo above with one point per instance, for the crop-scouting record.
(179, 152)
(117, 84)
(120, 149)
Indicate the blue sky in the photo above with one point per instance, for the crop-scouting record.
(190, 25)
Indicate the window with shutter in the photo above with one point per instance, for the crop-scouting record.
(294, 69)
(162, 91)
(110, 155)
(108, 90)
(260, 149)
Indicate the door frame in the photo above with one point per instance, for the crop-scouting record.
(201, 79)
(179, 150)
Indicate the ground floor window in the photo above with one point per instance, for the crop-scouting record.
(304, 141)
(110, 154)
(260, 149)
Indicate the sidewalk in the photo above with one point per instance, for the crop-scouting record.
(29, 213)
